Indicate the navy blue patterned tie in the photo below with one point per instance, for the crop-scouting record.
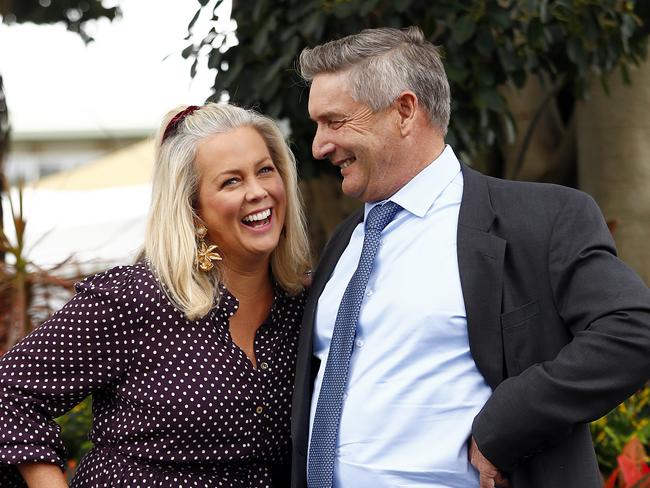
(330, 400)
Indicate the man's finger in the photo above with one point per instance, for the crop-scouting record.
(489, 475)
(486, 481)
(501, 481)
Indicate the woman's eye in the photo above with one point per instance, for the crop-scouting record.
(229, 182)
(267, 169)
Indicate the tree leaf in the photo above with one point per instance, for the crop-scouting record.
(194, 19)
(343, 10)
(489, 98)
(536, 33)
(508, 59)
(370, 5)
(214, 59)
(484, 42)
(456, 74)
(188, 51)
(543, 11)
(311, 24)
(463, 29)
(402, 6)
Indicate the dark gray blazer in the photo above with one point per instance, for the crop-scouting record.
(558, 326)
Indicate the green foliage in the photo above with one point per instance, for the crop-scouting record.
(73, 13)
(487, 43)
(75, 426)
(612, 432)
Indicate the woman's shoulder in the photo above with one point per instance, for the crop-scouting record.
(118, 279)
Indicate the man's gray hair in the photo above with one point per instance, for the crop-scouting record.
(381, 64)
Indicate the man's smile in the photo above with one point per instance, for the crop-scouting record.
(345, 162)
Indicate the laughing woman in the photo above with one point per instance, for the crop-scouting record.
(189, 353)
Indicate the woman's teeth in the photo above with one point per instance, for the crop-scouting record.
(257, 219)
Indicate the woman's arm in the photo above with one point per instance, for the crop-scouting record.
(42, 475)
(83, 347)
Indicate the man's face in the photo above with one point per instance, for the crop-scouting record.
(361, 143)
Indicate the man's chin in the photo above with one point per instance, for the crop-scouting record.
(352, 191)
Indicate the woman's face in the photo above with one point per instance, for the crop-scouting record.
(241, 196)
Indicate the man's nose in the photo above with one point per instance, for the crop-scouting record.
(321, 147)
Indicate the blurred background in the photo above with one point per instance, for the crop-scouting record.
(542, 90)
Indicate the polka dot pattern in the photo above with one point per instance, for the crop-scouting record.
(176, 403)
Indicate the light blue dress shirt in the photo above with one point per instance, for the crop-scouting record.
(413, 387)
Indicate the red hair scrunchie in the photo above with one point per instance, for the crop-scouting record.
(177, 119)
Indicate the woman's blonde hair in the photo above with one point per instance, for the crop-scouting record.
(170, 240)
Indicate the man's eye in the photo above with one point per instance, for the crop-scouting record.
(335, 124)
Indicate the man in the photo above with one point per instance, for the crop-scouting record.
(461, 330)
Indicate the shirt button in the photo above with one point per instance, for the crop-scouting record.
(259, 409)
(369, 293)
(264, 366)
(360, 342)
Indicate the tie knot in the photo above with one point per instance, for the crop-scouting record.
(380, 215)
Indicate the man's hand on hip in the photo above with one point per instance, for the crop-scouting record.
(489, 475)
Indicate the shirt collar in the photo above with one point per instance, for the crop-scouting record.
(419, 194)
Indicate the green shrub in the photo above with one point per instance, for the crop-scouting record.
(612, 432)
(75, 426)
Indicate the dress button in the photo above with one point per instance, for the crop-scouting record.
(264, 366)
(259, 409)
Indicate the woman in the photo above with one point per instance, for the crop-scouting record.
(190, 352)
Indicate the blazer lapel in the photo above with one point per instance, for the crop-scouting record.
(324, 270)
(306, 370)
(480, 262)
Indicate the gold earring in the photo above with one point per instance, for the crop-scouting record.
(205, 254)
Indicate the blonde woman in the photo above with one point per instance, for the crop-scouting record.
(189, 353)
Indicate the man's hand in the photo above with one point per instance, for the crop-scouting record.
(489, 475)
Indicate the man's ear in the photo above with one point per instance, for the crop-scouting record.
(407, 106)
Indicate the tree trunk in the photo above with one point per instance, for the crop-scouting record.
(325, 207)
(614, 161)
(547, 153)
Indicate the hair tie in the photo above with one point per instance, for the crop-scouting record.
(176, 120)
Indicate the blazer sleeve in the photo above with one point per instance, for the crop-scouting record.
(82, 348)
(606, 306)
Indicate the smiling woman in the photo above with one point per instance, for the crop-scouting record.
(190, 352)
(241, 197)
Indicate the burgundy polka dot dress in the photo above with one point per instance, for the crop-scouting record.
(175, 402)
